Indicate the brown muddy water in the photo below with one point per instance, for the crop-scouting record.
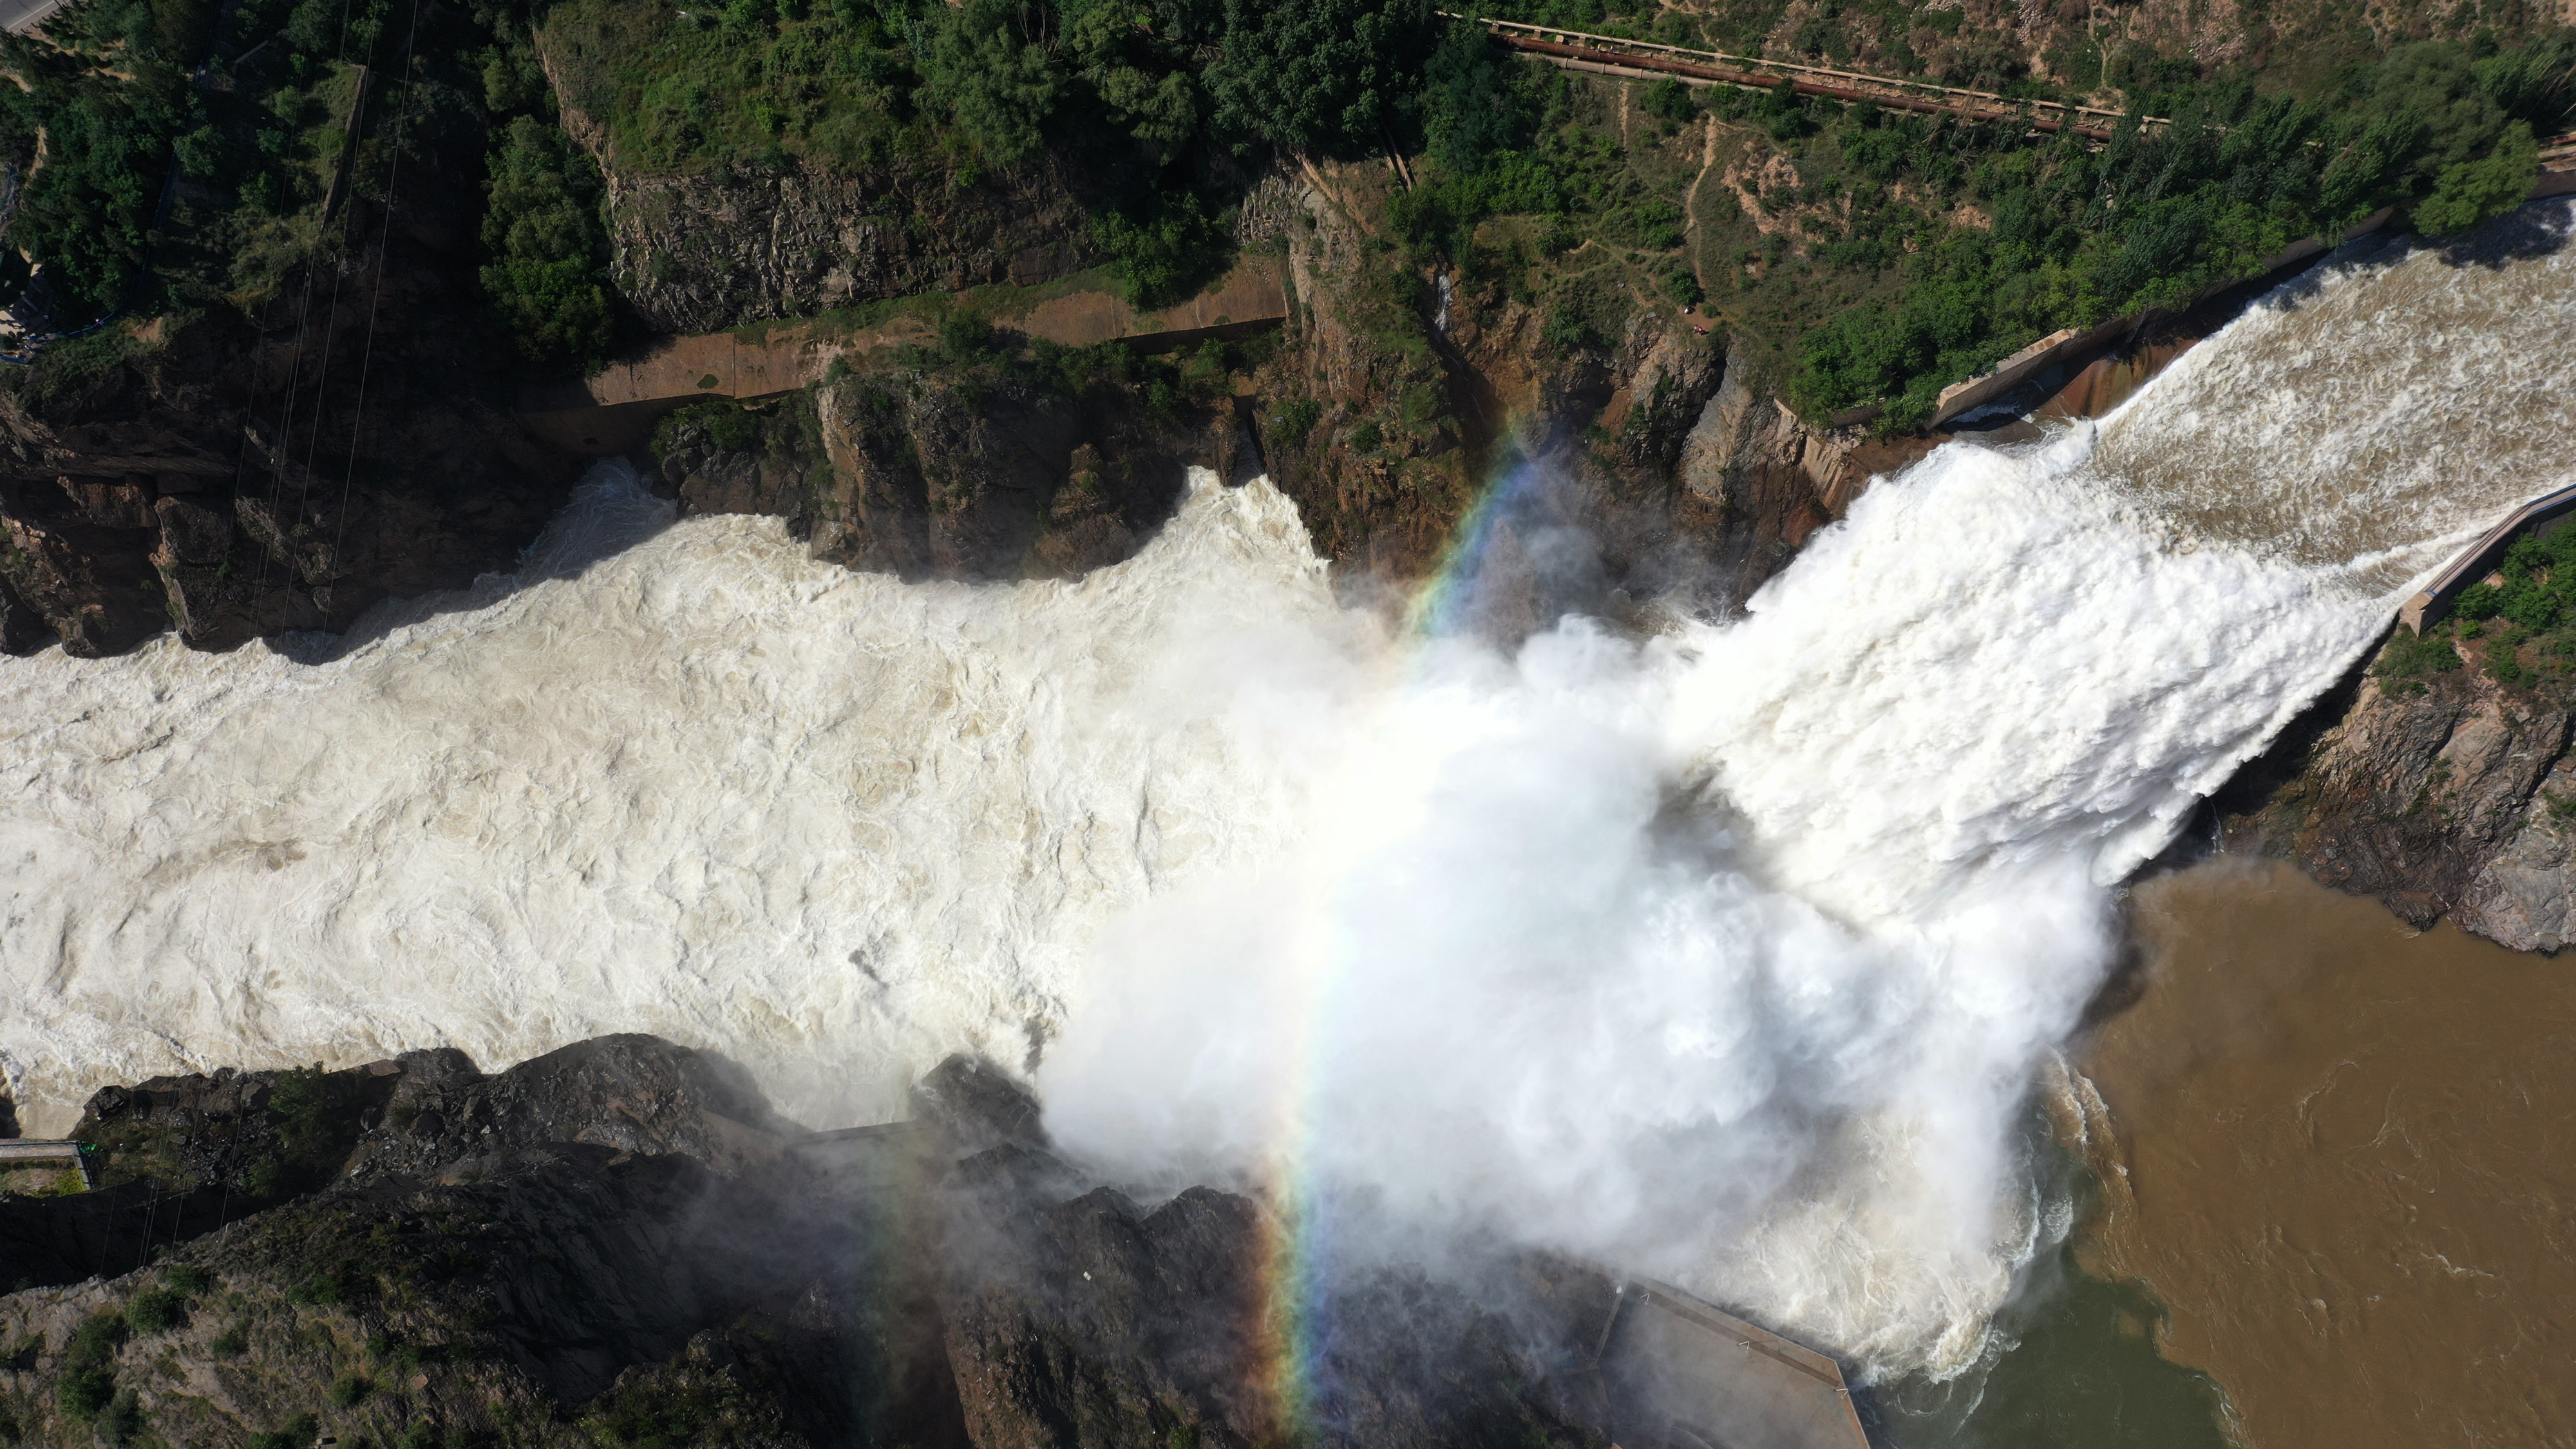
(2327, 1194)
(2348, 1150)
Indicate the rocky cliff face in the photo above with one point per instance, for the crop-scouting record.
(699, 252)
(619, 1243)
(2448, 794)
(1631, 453)
(198, 474)
(186, 480)
(981, 467)
(703, 250)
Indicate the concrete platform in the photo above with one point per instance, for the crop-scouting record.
(20, 16)
(1684, 1374)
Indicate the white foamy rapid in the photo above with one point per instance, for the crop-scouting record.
(1724, 954)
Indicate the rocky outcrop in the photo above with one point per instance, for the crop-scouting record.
(1625, 452)
(635, 1094)
(575, 1254)
(704, 248)
(200, 475)
(701, 251)
(983, 467)
(2441, 794)
(1771, 478)
(563, 1295)
(1075, 1316)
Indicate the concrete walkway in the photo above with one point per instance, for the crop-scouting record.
(612, 412)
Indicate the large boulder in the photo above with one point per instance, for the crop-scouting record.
(630, 1092)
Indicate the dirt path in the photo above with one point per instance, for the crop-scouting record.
(1690, 200)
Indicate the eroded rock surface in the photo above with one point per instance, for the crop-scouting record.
(2451, 794)
(583, 1250)
(935, 468)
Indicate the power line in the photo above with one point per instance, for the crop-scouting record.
(376, 291)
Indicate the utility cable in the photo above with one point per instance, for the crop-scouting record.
(331, 319)
(376, 291)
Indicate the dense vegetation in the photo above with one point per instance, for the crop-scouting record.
(1880, 255)
(546, 244)
(86, 213)
(1900, 253)
(190, 151)
(2159, 215)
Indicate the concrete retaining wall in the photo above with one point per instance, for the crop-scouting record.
(2545, 514)
(2075, 348)
(1683, 1374)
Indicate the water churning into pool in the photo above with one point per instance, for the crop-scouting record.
(1723, 953)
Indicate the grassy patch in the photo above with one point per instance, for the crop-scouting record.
(2408, 657)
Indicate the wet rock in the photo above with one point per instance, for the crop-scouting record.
(975, 1106)
(192, 533)
(1076, 1317)
(179, 1157)
(156, 493)
(943, 470)
(111, 505)
(92, 585)
(560, 1292)
(1091, 1322)
(565, 1292)
(632, 1093)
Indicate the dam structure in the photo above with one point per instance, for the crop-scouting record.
(2546, 514)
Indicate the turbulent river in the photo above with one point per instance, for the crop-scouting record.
(1722, 951)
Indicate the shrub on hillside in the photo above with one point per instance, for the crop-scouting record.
(998, 83)
(547, 273)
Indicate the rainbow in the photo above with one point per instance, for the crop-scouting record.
(1293, 1338)
(1440, 604)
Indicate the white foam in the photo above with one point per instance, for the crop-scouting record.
(832, 823)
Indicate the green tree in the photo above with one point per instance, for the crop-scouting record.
(1165, 246)
(546, 274)
(1143, 75)
(999, 86)
(1318, 74)
(2468, 192)
(1471, 108)
(2534, 83)
(108, 88)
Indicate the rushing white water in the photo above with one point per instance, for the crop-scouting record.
(1725, 954)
